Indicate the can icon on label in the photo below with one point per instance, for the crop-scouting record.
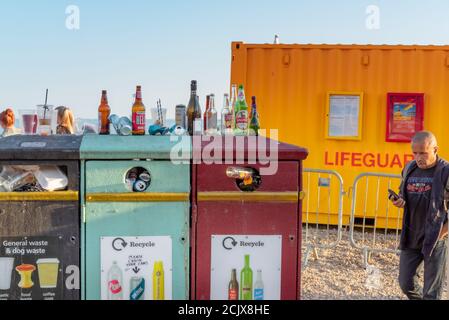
(137, 288)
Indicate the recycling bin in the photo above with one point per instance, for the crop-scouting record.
(246, 219)
(40, 229)
(136, 204)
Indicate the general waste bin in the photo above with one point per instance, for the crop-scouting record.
(137, 217)
(246, 219)
(40, 231)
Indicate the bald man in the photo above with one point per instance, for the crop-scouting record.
(423, 195)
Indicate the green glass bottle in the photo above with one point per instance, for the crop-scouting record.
(246, 281)
(241, 114)
(254, 125)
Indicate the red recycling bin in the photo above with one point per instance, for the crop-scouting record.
(246, 219)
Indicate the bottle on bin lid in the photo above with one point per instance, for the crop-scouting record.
(254, 124)
(138, 114)
(211, 117)
(194, 111)
(226, 115)
(205, 112)
(241, 113)
(104, 111)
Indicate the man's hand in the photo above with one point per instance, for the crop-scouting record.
(400, 203)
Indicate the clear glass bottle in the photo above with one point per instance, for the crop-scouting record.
(226, 116)
(211, 117)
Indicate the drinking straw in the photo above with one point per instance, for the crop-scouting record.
(45, 105)
(159, 111)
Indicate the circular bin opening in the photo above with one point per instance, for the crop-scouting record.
(138, 179)
(251, 182)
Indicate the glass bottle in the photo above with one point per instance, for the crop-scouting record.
(211, 117)
(104, 111)
(138, 114)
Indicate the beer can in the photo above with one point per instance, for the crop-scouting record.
(140, 186)
(145, 177)
(125, 126)
(137, 289)
(181, 116)
(114, 120)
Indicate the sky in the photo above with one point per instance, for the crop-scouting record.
(163, 45)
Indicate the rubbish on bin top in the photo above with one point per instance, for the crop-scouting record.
(26, 168)
(51, 178)
(89, 128)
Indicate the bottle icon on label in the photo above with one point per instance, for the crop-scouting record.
(115, 282)
(158, 281)
(246, 281)
(233, 291)
(259, 287)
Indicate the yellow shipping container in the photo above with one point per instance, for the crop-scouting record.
(293, 83)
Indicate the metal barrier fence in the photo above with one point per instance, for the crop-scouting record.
(380, 222)
(320, 211)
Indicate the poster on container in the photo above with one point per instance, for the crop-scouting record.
(246, 267)
(31, 268)
(136, 268)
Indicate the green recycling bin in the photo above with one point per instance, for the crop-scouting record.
(136, 217)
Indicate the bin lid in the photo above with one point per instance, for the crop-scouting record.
(246, 148)
(55, 147)
(96, 147)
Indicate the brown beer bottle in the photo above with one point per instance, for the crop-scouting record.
(233, 292)
(138, 114)
(104, 111)
(205, 112)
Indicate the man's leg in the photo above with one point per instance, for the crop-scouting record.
(410, 262)
(434, 272)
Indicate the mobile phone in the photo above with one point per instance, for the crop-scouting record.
(393, 195)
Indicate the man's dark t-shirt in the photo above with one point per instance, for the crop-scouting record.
(419, 189)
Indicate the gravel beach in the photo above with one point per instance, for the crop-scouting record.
(339, 273)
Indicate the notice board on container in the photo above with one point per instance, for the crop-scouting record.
(405, 116)
(344, 115)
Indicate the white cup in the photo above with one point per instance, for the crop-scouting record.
(6, 267)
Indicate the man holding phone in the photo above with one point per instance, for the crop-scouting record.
(424, 195)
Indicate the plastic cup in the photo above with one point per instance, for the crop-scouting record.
(6, 267)
(29, 121)
(48, 270)
(44, 114)
(155, 116)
